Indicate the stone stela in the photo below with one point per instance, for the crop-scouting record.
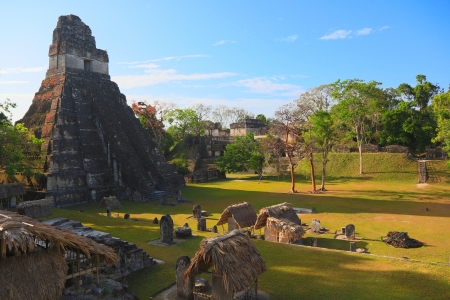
(166, 229)
(350, 231)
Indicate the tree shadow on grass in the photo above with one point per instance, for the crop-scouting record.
(309, 273)
(401, 202)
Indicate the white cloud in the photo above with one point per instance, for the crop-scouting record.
(164, 59)
(156, 76)
(146, 66)
(13, 82)
(384, 28)
(364, 31)
(265, 86)
(289, 39)
(223, 42)
(338, 34)
(20, 70)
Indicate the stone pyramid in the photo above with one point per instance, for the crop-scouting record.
(95, 145)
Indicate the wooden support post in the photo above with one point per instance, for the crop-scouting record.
(2, 249)
(78, 262)
(97, 265)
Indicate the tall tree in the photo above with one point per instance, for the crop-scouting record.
(185, 122)
(322, 136)
(318, 98)
(273, 149)
(153, 116)
(221, 114)
(243, 155)
(421, 94)
(408, 126)
(441, 108)
(289, 124)
(358, 109)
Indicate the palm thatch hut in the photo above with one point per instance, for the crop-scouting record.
(236, 265)
(281, 223)
(10, 192)
(110, 203)
(35, 209)
(238, 216)
(34, 257)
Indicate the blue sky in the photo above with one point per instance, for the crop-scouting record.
(256, 55)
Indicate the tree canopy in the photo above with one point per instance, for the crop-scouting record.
(243, 155)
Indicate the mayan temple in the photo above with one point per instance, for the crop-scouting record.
(95, 145)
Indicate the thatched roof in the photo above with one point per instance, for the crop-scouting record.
(12, 189)
(20, 231)
(294, 231)
(35, 209)
(38, 276)
(243, 213)
(110, 203)
(278, 211)
(233, 256)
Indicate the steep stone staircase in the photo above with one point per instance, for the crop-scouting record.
(423, 173)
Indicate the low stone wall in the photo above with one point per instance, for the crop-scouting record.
(204, 175)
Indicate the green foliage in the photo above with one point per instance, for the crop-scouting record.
(242, 155)
(380, 167)
(184, 122)
(441, 108)
(407, 126)
(262, 118)
(421, 94)
(19, 151)
(359, 109)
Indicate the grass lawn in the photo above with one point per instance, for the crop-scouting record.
(301, 272)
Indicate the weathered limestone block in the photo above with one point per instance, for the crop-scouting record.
(350, 231)
(184, 288)
(166, 229)
(201, 224)
(197, 211)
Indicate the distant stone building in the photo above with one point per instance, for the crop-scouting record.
(219, 138)
(95, 145)
(245, 126)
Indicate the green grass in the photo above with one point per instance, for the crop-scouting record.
(300, 272)
(376, 167)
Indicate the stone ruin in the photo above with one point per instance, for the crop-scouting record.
(197, 211)
(350, 231)
(184, 288)
(401, 240)
(166, 229)
(130, 258)
(95, 146)
(315, 226)
(184, 232)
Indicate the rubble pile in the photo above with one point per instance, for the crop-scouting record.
(401, 240)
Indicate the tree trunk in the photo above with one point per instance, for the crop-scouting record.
(313, 179)
(324, 166)
(360, 160)
(291, 166)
